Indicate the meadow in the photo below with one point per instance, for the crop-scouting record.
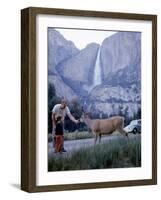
(117, 153)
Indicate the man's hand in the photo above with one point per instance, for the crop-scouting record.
(79, 120)
(76, 121)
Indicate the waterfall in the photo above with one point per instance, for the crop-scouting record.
(97, 71)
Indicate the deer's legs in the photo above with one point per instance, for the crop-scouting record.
(100, 138)
(95, 140)
(123, 132)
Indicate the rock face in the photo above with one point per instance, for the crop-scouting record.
(121, 58)
(59, 49)
(62, 90)
(112, 100)
(115, 94)
(78, 71)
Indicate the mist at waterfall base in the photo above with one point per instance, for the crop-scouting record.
(104, 79)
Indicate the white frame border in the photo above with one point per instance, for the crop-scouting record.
(89, 176)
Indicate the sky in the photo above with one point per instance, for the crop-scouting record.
(83, 37)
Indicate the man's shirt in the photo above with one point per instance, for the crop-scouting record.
(58, 111)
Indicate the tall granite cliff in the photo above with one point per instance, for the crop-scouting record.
(121, 58)
(59, 49)
(78, 70)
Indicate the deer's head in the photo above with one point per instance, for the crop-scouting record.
(84, 116)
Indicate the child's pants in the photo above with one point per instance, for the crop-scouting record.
(58, 142)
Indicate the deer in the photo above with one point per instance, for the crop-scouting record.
(101, 127)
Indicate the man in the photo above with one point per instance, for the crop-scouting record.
(61, 110)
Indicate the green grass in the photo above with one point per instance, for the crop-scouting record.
(78, 135)
(74, 136)
(117, 153)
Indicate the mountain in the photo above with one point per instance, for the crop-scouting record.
(62, 90)
(121, 58)
(120, 90)
(59, 49)
(118, 60)
(77, 71)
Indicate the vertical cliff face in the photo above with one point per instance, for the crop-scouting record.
(120, 62)
(59, 49)
(62, 90)
(121, 57)
(78, 71)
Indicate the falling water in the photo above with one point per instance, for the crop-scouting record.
(97, 71)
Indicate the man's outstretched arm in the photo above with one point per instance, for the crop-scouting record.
(72, 118)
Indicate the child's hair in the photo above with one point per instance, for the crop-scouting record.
(58, 119)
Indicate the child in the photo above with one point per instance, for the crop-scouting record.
(58, 134)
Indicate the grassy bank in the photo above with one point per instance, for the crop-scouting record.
(77, 135)
(74, 136)
(117, 153)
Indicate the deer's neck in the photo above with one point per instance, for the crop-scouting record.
(88, 122)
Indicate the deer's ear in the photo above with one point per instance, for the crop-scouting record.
(88, 114)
